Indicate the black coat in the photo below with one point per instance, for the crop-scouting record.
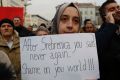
(108, 46)
(23, 32)
(7, 71)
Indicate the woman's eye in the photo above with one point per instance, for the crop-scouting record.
(63, 19)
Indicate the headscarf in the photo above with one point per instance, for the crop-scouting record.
(56, 19)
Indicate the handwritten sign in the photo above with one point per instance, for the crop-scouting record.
(59, 57)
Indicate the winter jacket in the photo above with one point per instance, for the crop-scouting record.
(13, 53)
(108, 46)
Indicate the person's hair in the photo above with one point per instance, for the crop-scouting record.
(41, 28)
(17, 17)
(102, 9)
(86, 20)
(6, 20)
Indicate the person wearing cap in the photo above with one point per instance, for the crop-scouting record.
(9, 43)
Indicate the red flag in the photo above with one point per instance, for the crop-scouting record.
(11, 12)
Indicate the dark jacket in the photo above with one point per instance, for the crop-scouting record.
(23, 32)
(7, 72)
(108, 46)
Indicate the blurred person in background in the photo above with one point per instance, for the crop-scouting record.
(89, 26)
(23, 32)
(42, 31)
(9, 43)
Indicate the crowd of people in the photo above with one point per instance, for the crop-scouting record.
(66, 20)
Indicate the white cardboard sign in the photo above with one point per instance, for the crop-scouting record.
(59, 57)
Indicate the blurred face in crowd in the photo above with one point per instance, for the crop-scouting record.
(69, 21)
(17, 21)
(89, 27)
(40, 33)
(6, 29)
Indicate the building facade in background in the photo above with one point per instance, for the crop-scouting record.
(38, 21)
(11, 3)
(98, 18)
(88, 11)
